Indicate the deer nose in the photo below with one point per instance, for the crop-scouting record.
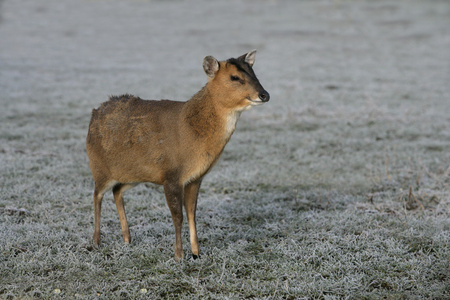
(264, 96)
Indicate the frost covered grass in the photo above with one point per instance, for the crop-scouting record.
(336, 188)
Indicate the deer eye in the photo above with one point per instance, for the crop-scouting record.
(236, 78)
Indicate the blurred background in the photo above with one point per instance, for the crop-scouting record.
(79, 52)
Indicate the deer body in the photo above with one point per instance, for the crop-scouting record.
(170, 143)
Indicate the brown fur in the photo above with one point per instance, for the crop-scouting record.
(171, 143)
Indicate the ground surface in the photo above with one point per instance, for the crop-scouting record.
(336, 188)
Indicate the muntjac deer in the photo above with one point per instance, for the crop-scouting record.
(170, 143)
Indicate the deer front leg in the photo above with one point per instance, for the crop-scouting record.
(190, 205)
(174, 197)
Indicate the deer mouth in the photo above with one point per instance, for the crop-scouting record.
(255, 102)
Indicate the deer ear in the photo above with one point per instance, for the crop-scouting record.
(250, 58)
(211, 66)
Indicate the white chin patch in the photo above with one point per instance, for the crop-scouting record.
(252, 103)
(256, 102)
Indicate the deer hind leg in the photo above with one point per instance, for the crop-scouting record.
(98, 197)
(174, 197)
(190, 205)
(100, 189)
(118, 191)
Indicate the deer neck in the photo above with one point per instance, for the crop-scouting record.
(208, 119)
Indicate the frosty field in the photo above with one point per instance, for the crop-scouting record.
(337, 188)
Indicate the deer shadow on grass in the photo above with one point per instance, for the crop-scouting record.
(255, 216)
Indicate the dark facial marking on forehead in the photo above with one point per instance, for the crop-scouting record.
(242, 66)
(245, 68)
